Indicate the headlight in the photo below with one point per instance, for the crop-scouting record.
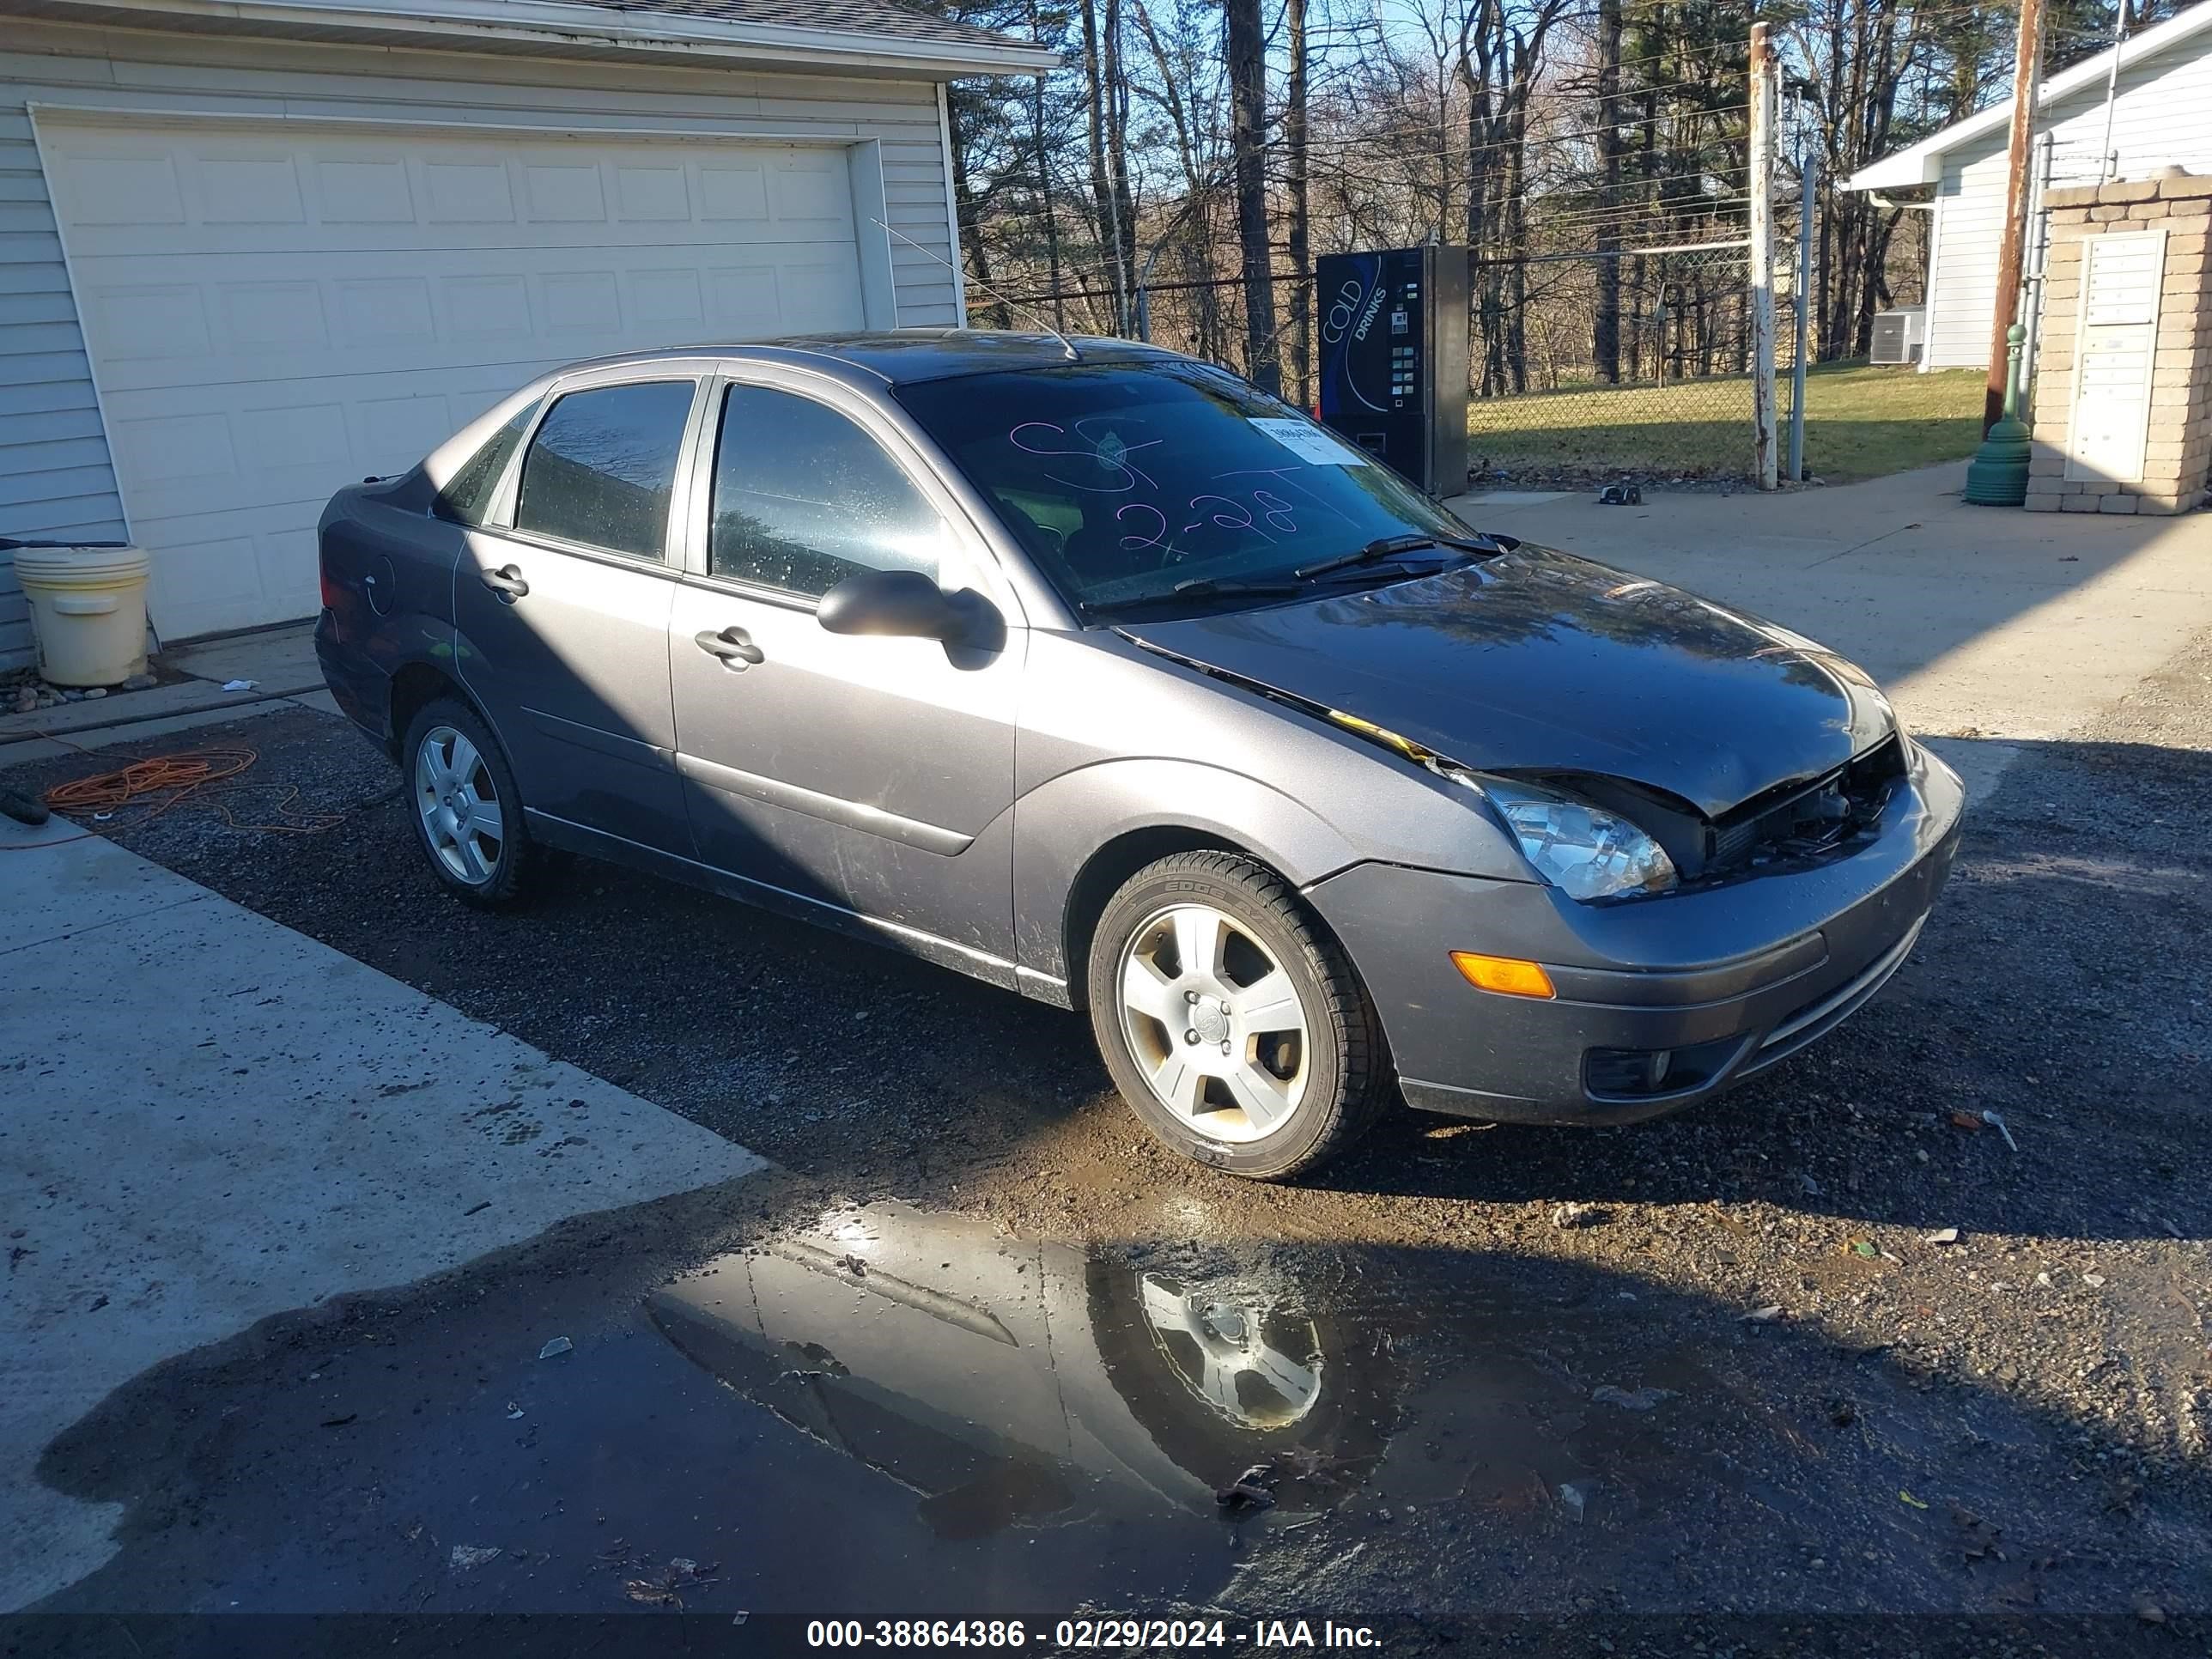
(1584, 850)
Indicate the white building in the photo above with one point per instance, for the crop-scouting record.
(255, 250)
(2161, 116)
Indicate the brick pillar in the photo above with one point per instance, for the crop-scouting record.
(2179, 454)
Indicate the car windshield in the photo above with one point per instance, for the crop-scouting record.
(1131, 485)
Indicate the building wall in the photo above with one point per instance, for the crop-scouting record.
(2177, 446)
(2163, 115)
(54, 477)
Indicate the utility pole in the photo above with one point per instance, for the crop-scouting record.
(1763, 98)
(1804, 286)
(2027, 74)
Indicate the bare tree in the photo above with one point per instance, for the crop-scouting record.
(1294, 181)
(1606, 327)
(1248, 93)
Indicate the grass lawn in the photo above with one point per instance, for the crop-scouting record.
(1860, 422)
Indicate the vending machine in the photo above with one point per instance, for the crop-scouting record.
(1392, 326)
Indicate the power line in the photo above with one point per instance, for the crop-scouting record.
(1456, 125)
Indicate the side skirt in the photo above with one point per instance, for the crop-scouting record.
(909, 941)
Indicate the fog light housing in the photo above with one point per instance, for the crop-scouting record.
(1627, 1071)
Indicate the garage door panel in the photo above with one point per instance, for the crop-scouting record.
(815, 297)
(438, 311)
(247, 189)
(671, 301)
(733, 192)
(134, 186)
(177, 465)
(566, 193)
(160, 193)
(273, 314)
(370, 190)
(231, 569)
(809, 192)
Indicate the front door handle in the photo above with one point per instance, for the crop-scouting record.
(505, 581)
(732, 645)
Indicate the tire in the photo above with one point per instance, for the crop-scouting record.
(1249, 1104)
(503, 872)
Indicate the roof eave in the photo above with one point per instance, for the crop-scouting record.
(514, 25)
(1923, 163)
(1903, 171)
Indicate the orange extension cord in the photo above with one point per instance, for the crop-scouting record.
(162, 783)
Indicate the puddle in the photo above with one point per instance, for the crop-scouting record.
(887, 1413)
(1532, 1423)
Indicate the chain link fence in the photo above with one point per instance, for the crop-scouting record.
(1670, 402)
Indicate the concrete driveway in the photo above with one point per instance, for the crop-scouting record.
(211, 1118)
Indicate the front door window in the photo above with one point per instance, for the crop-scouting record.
(803, 498)
(602, 466)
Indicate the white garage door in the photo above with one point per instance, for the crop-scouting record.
(273, 313)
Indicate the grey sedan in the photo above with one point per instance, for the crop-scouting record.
(1088, 670)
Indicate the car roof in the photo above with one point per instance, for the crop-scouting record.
(908, 355)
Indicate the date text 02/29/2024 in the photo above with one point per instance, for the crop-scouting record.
(1074, 1634)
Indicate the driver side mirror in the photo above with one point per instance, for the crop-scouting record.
(901, 604)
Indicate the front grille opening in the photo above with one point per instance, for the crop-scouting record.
(1809, 821)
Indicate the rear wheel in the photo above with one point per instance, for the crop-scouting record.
(466, 811)
(1232, 1024)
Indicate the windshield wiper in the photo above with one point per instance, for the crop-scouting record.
(1384, 547)
(1212, 587)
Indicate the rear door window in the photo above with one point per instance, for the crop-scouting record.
(602, 466)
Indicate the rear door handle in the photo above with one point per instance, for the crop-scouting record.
(505, 581)
(732, 645)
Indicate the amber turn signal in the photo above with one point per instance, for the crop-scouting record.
(1507, 975)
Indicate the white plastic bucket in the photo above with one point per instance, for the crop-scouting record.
(87, 611)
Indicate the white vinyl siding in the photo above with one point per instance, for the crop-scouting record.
(56, 480)
(2163, 115)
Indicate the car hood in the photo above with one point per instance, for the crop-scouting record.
(1537, 661)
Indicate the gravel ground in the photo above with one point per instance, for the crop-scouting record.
(2035, 1079)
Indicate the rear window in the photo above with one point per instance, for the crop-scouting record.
(467, 495)
(602, 466)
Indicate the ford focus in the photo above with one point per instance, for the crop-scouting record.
(1090, 670)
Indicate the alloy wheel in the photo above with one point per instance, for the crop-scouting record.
(1228, 1354)
(1215, 1024)
(459, 805)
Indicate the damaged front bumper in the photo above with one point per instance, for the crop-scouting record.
(1659, 1002)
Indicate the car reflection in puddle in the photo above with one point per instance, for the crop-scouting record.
(1008, 1382)
(1478, 1420)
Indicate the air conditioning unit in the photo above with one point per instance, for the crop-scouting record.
(1899, 335)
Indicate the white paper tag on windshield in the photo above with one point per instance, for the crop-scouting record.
(1310, 443)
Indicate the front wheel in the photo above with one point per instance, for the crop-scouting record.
(1232, 1024)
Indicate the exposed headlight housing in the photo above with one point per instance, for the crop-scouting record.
(1583, 850)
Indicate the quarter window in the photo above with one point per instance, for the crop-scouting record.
(467, 495)
(602, 464)
(803, 498)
